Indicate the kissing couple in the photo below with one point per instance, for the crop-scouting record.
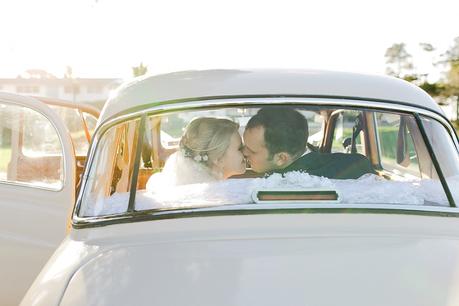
(275, 141)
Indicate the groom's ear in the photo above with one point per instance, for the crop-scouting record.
(282, 159)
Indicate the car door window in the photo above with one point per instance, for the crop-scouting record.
(30, 148)
(445, 152)
(315, 127)
(74, 122)
(347, 130)
(397, 150)
(114, 165)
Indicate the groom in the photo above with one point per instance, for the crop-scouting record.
(275, 142)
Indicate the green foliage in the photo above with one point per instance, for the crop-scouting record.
(452, 54)
(398, 60)
(433, 89)
(412, 78)
(388, 140)
(456, 125)
(399, 64)
(453, 79)
(388, 136)
(139, 70)
(451, 57)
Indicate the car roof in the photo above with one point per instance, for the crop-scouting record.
(174, 87)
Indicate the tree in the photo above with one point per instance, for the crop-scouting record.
(436, 89)
(139, 70)
(400, 64)
(398, 60)
(452, 54)
(452, 60)
(427, 61)
(427, 47)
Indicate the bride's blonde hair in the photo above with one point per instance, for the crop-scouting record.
(206, 139)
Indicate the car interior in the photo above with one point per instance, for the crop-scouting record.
(391, 141)
(131, 156)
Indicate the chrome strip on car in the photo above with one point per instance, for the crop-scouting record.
(272, 208)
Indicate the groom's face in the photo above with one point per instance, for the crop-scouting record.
(255, 150)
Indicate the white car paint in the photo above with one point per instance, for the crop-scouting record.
(284, 259)
(167, 88)
(347, 256)
(32, 220)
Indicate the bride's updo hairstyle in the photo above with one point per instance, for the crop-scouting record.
(206, 139)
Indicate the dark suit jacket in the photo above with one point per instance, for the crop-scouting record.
(332, 165)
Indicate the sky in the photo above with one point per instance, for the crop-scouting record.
(105, 38)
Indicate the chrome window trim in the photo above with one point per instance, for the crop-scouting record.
(251, 101)
(271, 208)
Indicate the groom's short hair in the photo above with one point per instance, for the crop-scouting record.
(286, 129)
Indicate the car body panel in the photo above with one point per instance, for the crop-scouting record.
(33, 219)
(80, 119)
(294, 259)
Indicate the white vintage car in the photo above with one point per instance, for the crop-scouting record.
(165, 223)
(43, 147)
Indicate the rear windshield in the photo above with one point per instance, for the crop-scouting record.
(270, 155)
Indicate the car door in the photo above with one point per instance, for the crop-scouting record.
(37, 190)
(80, 120)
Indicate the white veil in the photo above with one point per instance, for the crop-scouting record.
(180, 170)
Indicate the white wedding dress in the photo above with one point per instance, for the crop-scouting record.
(180, 170)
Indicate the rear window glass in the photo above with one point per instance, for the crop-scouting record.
(263, 155)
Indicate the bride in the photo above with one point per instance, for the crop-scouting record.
(209, 150)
